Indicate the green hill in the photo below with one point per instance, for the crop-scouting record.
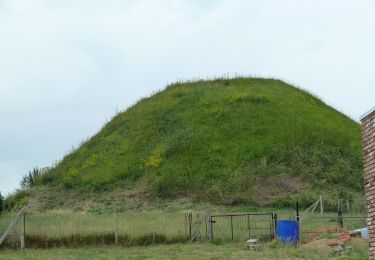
(244, 140)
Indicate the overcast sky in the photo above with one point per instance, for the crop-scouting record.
(66, 66)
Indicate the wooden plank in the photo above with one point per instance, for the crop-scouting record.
(23, 230)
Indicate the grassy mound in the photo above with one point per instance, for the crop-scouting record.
(245, 140)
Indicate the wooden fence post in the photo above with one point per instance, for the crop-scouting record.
(231, 226)
(116, 234)
(23, 230)
(321, 204)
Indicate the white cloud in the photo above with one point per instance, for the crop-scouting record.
(66, 65)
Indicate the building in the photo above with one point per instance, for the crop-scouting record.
(368, 140)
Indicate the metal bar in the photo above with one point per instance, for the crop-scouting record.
(340, 218)
(212, 229)
(205, 221)
(344, 217)
(231, 225)
(257, 228)
(317, 218)
(209, 218)
(248, 224)
(242, 214)
(297, 211)
(190, 216)
(275, 219)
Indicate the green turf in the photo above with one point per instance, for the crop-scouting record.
(190, 251)
(222, 141)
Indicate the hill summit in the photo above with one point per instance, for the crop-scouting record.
(243, 140)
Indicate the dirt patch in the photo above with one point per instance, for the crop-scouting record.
(269, 189)
(120, 199)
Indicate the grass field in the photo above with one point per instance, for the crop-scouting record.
(195, 251)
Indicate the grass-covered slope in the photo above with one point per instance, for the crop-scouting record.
(229, 141)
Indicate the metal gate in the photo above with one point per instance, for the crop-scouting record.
(240, 227)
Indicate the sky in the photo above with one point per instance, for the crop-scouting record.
(66, 67)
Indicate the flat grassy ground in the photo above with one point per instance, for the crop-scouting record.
(195, 251)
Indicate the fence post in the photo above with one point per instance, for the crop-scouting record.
(270, 222)
(212, 228)
(297, 211)
(248, 224)
(116, 234)
(23, 231)
(209, 219)
(190, 218)
(275, 219)
(321, 204)
(231, 225)
(340, 218)
(186, 226)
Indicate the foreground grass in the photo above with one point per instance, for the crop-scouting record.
(190, 251)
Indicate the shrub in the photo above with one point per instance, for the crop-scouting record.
(1, 203)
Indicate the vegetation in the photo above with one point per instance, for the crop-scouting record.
(30, 180)
(240, 141)
(1, 203)
(17, 200)
(270, 250)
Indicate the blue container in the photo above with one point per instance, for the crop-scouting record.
(287, 231)
(364, 233)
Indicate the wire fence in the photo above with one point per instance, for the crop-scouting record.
(69, 229)
(240, 227)
(77, 229)
(329, 217)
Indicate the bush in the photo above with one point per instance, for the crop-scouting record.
(1, 203)
(16, 200)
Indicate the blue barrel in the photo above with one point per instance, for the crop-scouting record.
(287, 231)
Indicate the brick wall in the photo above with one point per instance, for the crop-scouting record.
(368, 139)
